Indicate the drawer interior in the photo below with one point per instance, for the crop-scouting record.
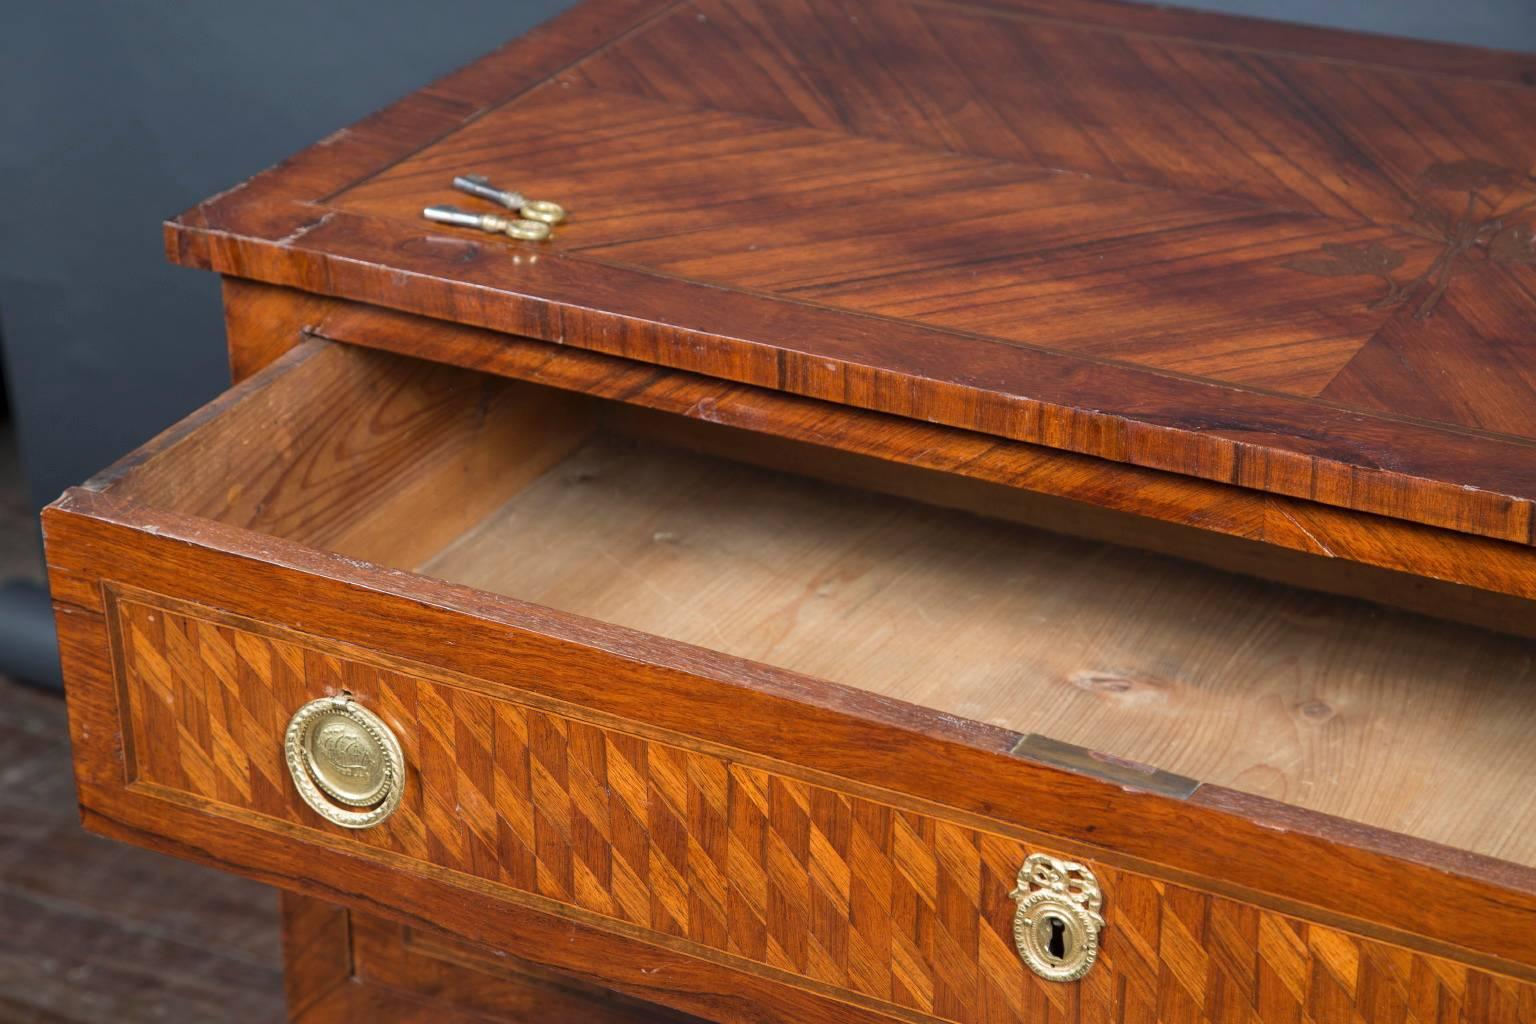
(1333, 704)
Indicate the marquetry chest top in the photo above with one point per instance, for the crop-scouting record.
(1292, 260)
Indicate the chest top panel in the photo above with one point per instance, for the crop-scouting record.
(1290, 259)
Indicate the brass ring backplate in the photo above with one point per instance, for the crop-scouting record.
(1056, 927)
(345, 761)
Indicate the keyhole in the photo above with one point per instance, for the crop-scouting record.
(1056, 945)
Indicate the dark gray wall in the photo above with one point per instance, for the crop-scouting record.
(1502, 24)
(114, 116)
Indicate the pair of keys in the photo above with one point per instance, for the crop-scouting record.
(534, 217)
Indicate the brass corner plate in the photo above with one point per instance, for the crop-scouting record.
(1117, 770)
(345, 762)
(1057, 924)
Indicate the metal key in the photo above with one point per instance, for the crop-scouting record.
(532, 209)
(520, 228)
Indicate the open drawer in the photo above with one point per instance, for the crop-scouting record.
(778, 746)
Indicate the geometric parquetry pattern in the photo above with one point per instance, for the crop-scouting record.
(820, 887)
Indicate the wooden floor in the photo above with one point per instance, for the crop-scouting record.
(90, 930)
(94, 931)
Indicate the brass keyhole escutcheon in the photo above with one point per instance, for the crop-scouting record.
(345, 762)
(1056, 946)
(1057, 924)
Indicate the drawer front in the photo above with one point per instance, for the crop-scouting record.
(344, 966)
(703, 831)
(895, 906)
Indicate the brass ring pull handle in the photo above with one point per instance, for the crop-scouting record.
(345, 762)
(1056, 928)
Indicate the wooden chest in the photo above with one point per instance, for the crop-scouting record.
(1003, 511)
